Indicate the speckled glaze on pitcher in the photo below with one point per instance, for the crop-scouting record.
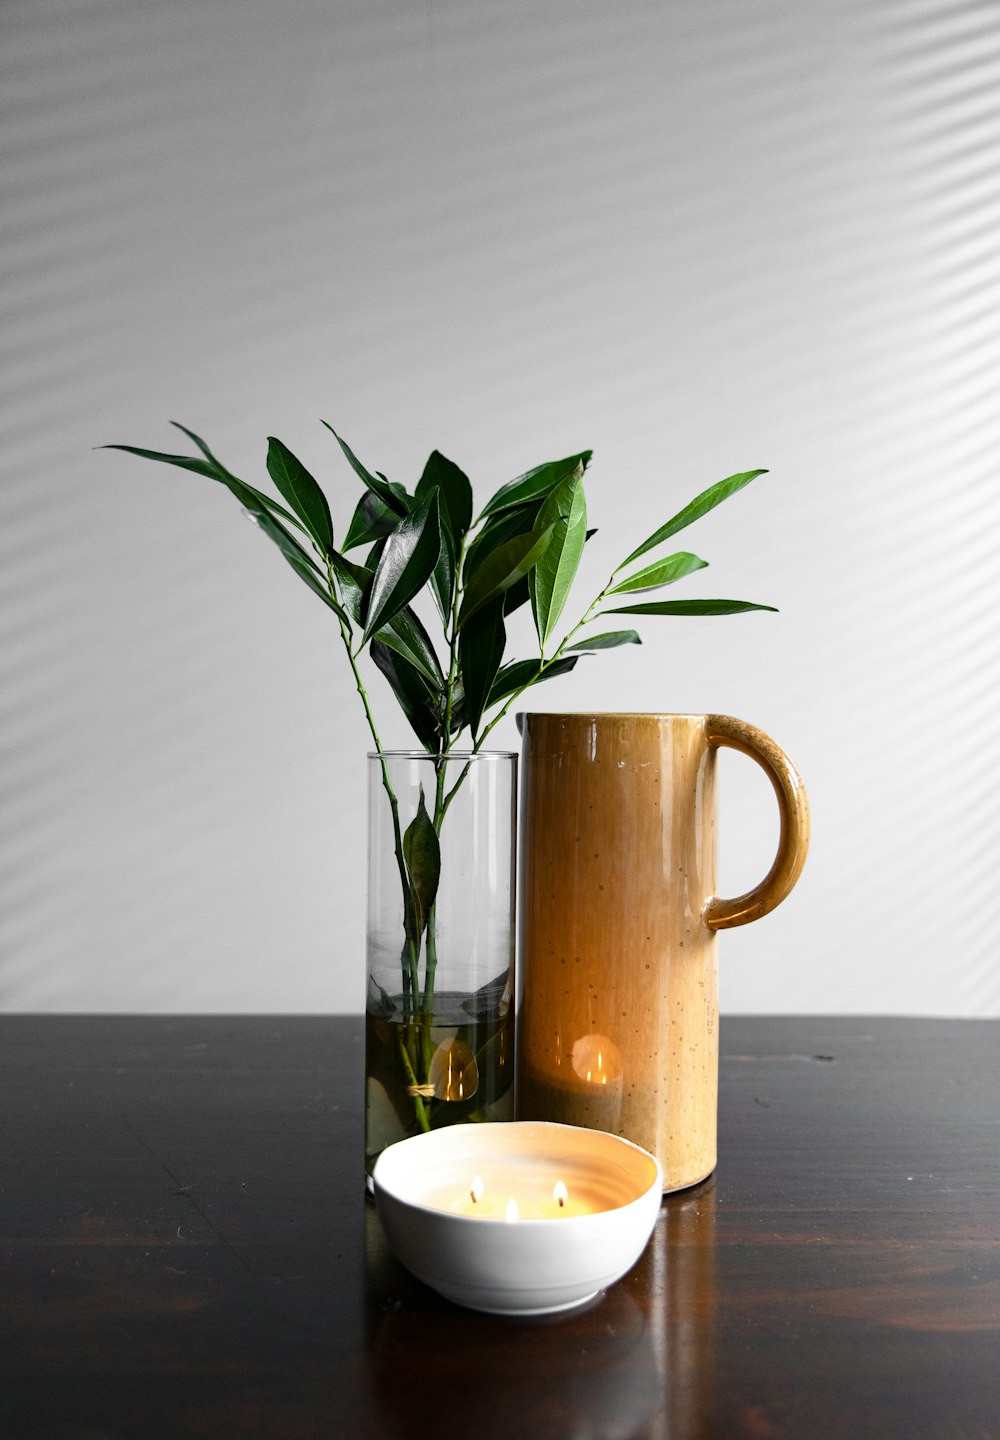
(619, 1015)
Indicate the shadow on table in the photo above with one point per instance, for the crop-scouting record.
(637, 1361)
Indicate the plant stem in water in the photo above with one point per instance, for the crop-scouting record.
(419, 1107)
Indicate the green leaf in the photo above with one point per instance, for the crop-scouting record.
(456, 517)
(355, 584)
(609, 640)
(226, 477)
(690, 607)
(299, 560)
(185, 462)
(411, 691)
(213, 460)
(522, 673)
(375, 554)
(496, 532)
(443, 575)
(371, 520)
(266, 503)
(407, 636)
(293, 481)
(517, 596)
(316, 585)
(394, 496)
(422, 856)
(664, 572)
(458, 716)
(534, 484)
(251, 499)
(699, 506)
(400, 491)
(409, 557)
(499, 571)
(286, 543)
(456, 493)
(404, 633)
(480, 651)
(550, 581)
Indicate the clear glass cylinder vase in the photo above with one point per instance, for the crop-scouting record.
(439, 1031)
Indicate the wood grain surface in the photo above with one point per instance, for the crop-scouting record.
(185, 1250)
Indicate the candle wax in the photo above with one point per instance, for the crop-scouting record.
(533, 1202)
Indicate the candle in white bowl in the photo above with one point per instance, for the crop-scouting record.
(519, 1218)
(510, 1198)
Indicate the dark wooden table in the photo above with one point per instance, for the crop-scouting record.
(185, 1250)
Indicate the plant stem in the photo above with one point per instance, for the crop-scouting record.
(544, 664)
(409, 958)
(419, 1107)
(410, 979)
(430, 969)
(453, 644)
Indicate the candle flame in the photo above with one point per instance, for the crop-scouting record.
(560, 1194)
(476, 1190)
(511, 1214)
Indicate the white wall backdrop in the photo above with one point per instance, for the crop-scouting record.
(697, 237)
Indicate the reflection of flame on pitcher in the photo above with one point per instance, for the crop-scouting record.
(453, 1073)
(597, 1060)
(578, 1083)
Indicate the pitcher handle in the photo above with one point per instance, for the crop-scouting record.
(793, 805)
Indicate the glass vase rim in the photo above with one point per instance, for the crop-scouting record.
(463, 755)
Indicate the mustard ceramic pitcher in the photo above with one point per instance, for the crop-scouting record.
(619, 1015)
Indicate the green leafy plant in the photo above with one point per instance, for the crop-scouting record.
(523, 548)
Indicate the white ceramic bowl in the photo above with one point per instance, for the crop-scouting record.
(551, 1258)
